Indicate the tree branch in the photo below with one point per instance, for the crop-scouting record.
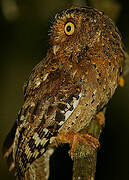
(85, 157)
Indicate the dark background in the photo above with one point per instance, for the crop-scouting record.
(24, 25)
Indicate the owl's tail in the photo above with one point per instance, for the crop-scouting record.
(7, 150)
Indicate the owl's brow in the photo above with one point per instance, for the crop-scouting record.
(77, 10)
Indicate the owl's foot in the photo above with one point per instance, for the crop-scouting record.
(85, 139)
(101, 118)
(74, 138)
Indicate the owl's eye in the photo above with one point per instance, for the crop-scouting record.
(69, 28)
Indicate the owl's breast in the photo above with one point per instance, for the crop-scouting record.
(98, 83)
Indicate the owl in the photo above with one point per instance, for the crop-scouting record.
(73, 83)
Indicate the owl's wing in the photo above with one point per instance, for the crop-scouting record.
(8, 147)
(50, 98)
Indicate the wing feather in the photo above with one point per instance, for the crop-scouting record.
(48, 104)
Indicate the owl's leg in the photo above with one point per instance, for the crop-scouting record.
(73, 138)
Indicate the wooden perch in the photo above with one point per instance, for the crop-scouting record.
(84, 165)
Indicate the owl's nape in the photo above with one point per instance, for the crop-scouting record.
(69, 86)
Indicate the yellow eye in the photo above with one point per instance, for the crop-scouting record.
(69, 28)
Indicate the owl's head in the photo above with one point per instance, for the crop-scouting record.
(81, 28)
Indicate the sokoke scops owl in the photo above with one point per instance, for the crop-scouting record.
(75, 80)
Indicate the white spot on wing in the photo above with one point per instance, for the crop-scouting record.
(45, 130)
(45, 76)
(43, 141)
(32, 104)
(37, 139)
(61, 123)
(75, 103)
(42, 151)
(28, 152)
(67, 114)
(22, 118)
(52, 139)
(37, 83)
(36, 153)
(68, 106)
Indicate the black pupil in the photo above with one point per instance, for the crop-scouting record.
(68, 28)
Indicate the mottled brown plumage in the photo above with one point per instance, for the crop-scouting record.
(70, 85)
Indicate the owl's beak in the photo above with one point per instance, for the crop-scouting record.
(55, 48)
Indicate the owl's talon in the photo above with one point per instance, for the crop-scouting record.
(85, 139)
(73, 138)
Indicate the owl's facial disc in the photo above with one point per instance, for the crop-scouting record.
(69, 29)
